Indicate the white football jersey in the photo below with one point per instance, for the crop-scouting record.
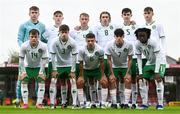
(80, 37)
(104, 34)
(119, 55)
(91, 59)
(157, 33)
(51, 34)
(64, 52)
(33, 55)
(129, 35)
(148, 50)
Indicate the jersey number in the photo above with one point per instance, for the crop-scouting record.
(106, 32)
(128, 32)
(34, 55)
(63, 51)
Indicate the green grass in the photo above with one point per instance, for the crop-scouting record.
(32, 110)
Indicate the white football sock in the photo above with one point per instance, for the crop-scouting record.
(134, 93)
(74, 91)
(121, 92)
(24, 92)
(143, 88)
(113, 96)
(81, 96)
(53, 90)
(160, 92)
(41, 90)
(64, 94)
(127, 95)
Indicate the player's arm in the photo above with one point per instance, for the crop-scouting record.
(139, 58)
(22, 69)
(73, 67)
(21, 35)
(43, 39)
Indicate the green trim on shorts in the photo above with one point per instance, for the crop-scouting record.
(33, 73)
(63, 72)
(119, 72)
(92, 73)
(148, 71)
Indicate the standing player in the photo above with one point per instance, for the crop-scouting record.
(104, 33)
(129, 36)
(119, 53)
(23, 35)
(79, 35)
(154, 68)
(157, 30)
(35, 53)
(91, 58)
(52, 34)
(63, 55)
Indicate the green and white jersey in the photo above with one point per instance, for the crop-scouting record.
(157, 32)
(129, 35)
(33, 55)
(104, 34)
(148, 50)
(51, 34)
(63, 52)
(91, 59)
(80, 37)
(119, 55)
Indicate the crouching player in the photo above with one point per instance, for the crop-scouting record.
(63, 54)
(154, 68)
(119, 53)
(35, 53)
(91, 58)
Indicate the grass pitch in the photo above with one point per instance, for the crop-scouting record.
(32, 110)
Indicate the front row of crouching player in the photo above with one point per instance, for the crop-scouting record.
(91, 68)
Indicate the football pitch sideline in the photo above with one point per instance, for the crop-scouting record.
(32, 110)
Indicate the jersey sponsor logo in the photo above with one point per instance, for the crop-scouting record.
(97, 53)
(149, 46)
(154, 27)
(69, 47)
(111, 27)
(40, 50)
(133, 27)
(125, 50)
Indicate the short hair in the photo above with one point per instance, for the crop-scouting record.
(147, 9)
(146, 30)
(83, 14)
(34, 32)
(58, 12)
(105, 12)
(118, 32)
(90, 35)
(126, 10)
(35, 8)
(64, 28)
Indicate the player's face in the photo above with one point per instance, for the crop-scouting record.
(105, 19)
(64, 35)
(34, 14)
(84, 20)
(148, 16)
(119, 40)
(126, 16)
(58, 18)
(142, 37)
(90, 42)
(33, 39)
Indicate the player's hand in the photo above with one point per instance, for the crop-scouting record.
(104, 81)
(42, 76)
(77, 28)
(54, 74)
(127, 78)
(72, 75)
(112, 78)
(80, 82)
(22, 76)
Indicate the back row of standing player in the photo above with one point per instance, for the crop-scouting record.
(118, 67)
